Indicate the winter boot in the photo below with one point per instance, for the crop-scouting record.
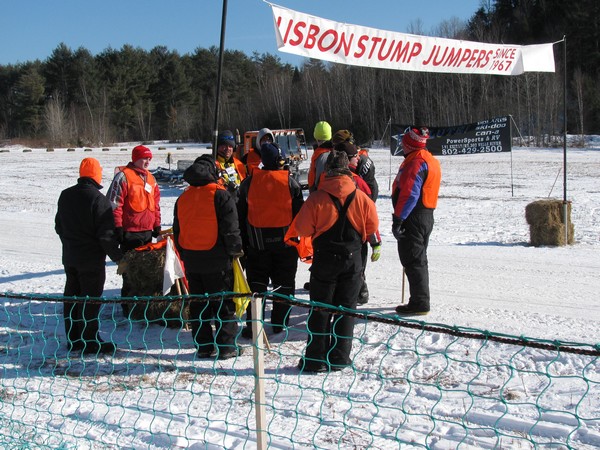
(363, 295)
(412, 310)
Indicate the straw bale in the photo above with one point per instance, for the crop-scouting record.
(546, 227)
(145, 276)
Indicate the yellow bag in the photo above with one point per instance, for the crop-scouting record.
(240, 284)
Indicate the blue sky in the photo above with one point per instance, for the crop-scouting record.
(32, 29)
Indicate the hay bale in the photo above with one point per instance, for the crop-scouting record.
(546, 225)
(183, 164)
(145, 277)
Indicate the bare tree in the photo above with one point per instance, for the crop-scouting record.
(578, 88)
(55, 119)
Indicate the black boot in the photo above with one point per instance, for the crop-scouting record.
(363, 295)
(412, 310)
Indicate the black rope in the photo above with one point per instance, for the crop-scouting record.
(559, 346)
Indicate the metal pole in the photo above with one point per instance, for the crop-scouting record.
(565, 206)
(219, 76)
(512, 184)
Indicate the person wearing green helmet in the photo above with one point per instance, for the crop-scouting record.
(322, 135)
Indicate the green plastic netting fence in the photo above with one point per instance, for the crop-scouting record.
(411, 385)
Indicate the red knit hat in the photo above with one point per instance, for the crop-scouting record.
(415, 139)
(140, 152)
(90, 168)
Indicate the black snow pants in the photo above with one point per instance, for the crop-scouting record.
(412, 249)
(279, 266)
(81, 318)
(204, 312)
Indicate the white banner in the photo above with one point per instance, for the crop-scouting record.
(314, 37)
(173, 269)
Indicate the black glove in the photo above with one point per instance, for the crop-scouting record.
(156, 231)
(122, 267)
(232, 187)
(397, 228)
(238, 254)
(119, 234)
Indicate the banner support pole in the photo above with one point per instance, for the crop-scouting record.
(219, 78)
(512, 184)
(565, 205)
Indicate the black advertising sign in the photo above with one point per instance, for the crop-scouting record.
(486, 136)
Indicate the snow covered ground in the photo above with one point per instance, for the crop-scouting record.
(484, 276)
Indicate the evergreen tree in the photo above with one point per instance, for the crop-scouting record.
(29, 96)
(170, 94)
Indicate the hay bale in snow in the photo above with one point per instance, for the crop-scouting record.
(145, 276)
(546, 227)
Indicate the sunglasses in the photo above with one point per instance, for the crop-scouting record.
(423, 131)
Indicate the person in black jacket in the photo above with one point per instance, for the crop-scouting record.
(84, 222)
(267, 203)
(207, 236)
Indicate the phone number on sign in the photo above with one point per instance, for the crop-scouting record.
(471, 150)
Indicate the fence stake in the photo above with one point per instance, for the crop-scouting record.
(403, 283)
(259, 372)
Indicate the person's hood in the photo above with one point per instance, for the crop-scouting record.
(202, 172)
(339, 186)
(261, 134)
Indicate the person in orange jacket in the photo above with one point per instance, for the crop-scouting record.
(353, 157)
(339, 218)
(207, 236)
(414, 196)
(230, 170)
(268, 201)
(135, 198)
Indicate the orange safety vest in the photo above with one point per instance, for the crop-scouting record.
(253, 160)
(198, 218)
(312, 170)
(269, 199)
(431, 187)
(140, 193)
(302, 244)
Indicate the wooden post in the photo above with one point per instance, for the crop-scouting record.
(403, 283)
(259, 372)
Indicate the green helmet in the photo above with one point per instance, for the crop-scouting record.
(322, 131)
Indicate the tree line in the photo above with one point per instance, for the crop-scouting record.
(130, 94)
